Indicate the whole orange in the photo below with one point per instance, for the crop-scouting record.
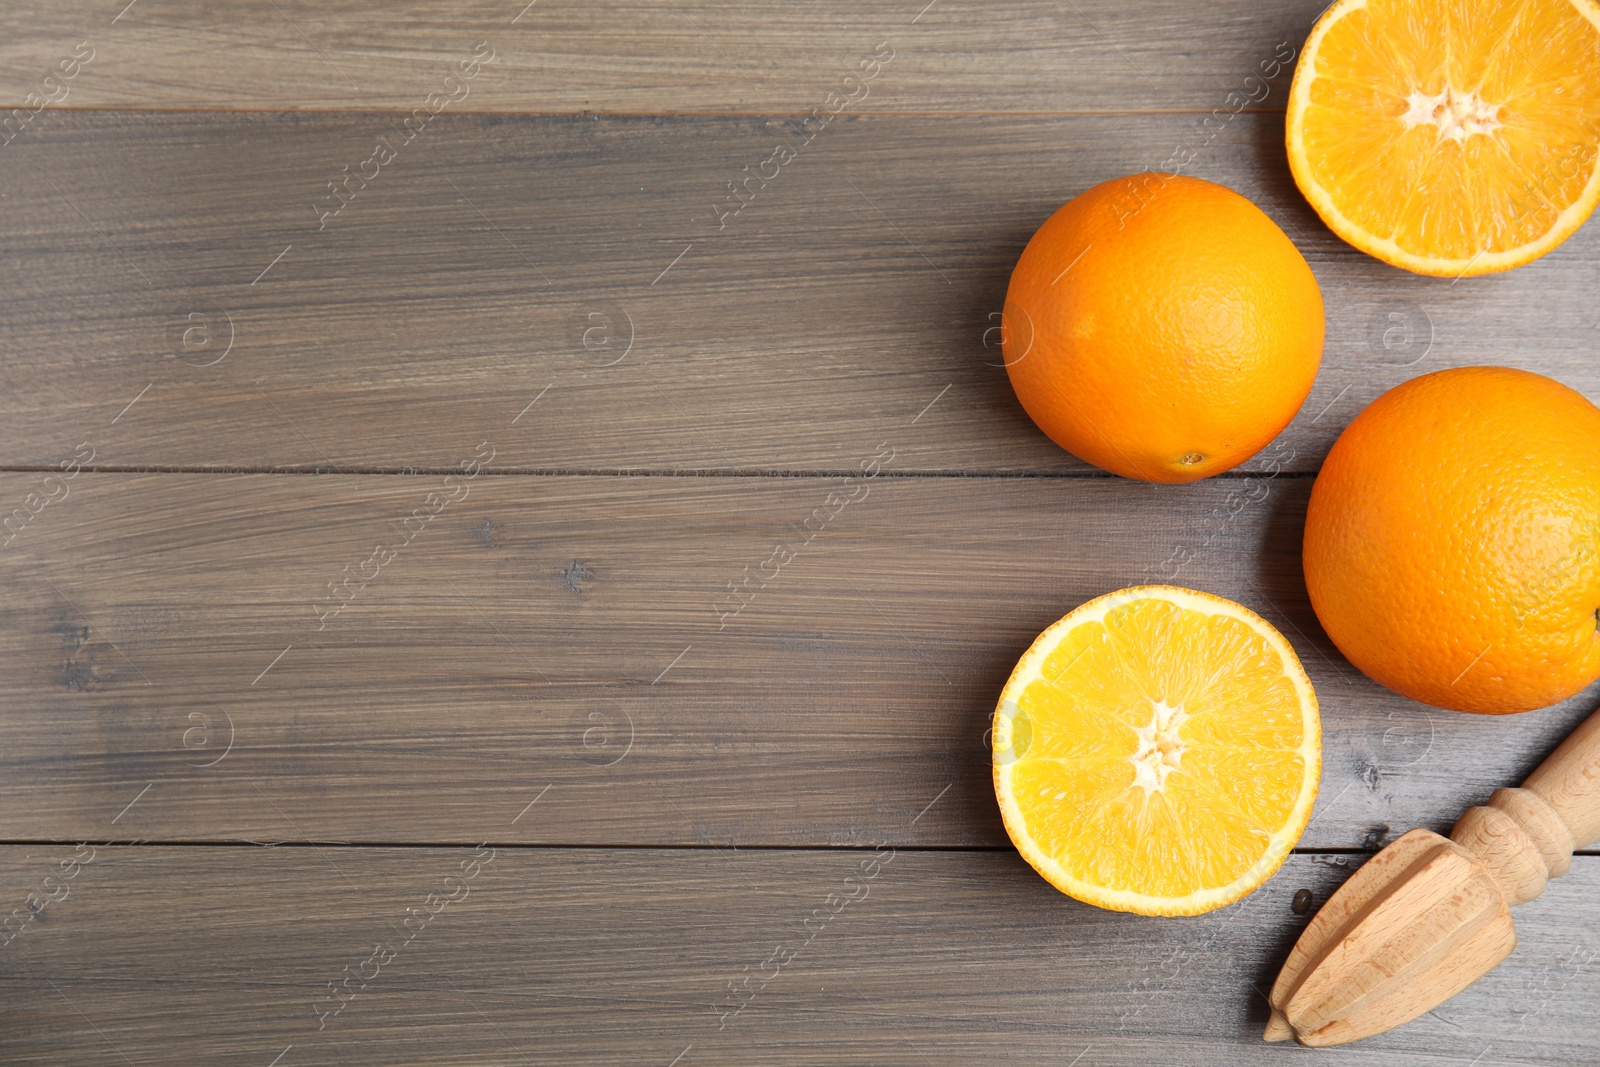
(1162, 328)
(1451, 541)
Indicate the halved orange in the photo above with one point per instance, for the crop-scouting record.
(1450, 137)
(1157, 750)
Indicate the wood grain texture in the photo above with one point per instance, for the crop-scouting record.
(497, 258)
(1428, 916)
(572, 56)
(1413, 927)
(602, 957)
(521, 637)
(549, 272)
(1569, 782)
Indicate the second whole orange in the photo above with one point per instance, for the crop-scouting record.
(1162, 327)
(1452, 544)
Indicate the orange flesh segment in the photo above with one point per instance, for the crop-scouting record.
(1172, 754)
(1453, 135)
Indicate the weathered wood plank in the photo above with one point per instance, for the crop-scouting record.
(579, 633)
(224, 955)
(690, 56)
(498, 258)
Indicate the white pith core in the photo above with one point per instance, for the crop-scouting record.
(1457, 115)
(1160, 749)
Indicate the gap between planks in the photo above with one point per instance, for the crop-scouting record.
(526, 846)
(667, 114)
(633, 472)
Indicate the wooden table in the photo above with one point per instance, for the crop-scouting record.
(399, 667)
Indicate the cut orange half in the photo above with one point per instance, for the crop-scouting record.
(1157, 751)
(1450, 138)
